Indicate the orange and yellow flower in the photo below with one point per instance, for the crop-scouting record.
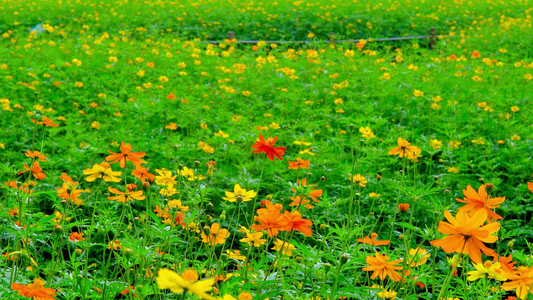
(479, 200)
(35, 290)
(382, 267)
(467, 234)
(405, 149)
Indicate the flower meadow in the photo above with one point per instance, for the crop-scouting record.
(138, 160)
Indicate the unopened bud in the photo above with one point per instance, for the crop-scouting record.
(327, 266)
(490, 187)
(446, 191)
(146, 185)
(299, 259)
(175, 146)
(378, 177)
(58, 229)
(323, 178)
(401, 237)
(127, 252)
(210, 205)
(63, 201)
(323, 227)
(352, 126)
(309, 174)
(481, 180)
(207, 230)
(510, 244)
(78, 252)
(269, 197)
(223, 216)
(209, 218)
(196, 163)
(436, 178)
(344, 258)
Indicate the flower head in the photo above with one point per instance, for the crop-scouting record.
(128, 195)
(186, 282)
(486, 270)
(103, 171)
(239, 194)
(125, 154)
(479, 200)
(466, 234)
(382, 267)
(35, 169)
(216, 235)
(283, 246)
(404, 149)
(267, 147)
(372, 240)
(35, 290)
(299, 163)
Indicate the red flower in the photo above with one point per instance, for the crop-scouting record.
(266, 146)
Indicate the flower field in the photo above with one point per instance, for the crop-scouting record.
(139, 160)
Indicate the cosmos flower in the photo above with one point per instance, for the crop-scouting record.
(267, 147)
(466, 234)
(187, 282)
(382, 267)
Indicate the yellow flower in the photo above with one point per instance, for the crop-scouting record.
(177, 203)
(515, 109)
(283, 246)
(418, 93)
(239, 194)
(253, 239)
(186, 282)
(236, 255)
(453, 170)
(165, 178)
(454, 144)
(387, 295)
(486, 270)
(435, 144)
(417, 257)
(221, 133)
(103, 171)
(95, 125)
(359, 180)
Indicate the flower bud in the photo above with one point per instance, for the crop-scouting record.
(58, 229)
(401, 237)
(323, 227)
(223, 215)
(146, 185)
(127, 252)
(299, 259)
(378, 177)
(269, 197)
(327, 266)
(481, 180)
(446, 191)
(344, 258)
(489, 187)
(323, 178)
(78, 252)
(197, 163)
(510, 244)
(403, 207)
(207, 230)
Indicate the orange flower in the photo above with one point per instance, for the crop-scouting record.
(171, 96)
(216, 235)
(270, 218)
(466, 234)
(382, 267)
(143, 174)
(476, 54)
(126, 154)
(128, 195)
(46, 122)
(180, 220)
(68, 190)
(266, 146)
(313, 194)
(299, 163)
(35, 154)
(521, 280)
(530, 186)
(297, 201)
(480, 201)
(76, 237)
(35, 169)
(372, 240)
(35, 290)
(295, 222)
(404, 149)
(13, 212)
(403, 207)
